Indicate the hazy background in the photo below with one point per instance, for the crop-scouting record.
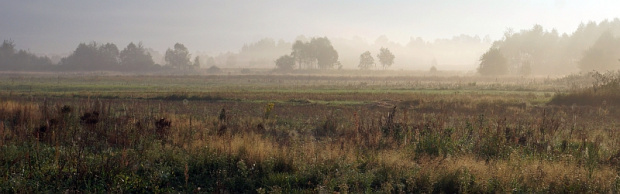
(454, 33)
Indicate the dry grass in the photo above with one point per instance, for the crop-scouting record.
(431, 142)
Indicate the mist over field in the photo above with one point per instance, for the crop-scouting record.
(536, 38)
(309, 96)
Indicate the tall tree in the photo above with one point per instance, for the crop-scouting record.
(178, 58)
(300, 52)
(493, 62)
(324, 53)
(386, 58)
(196, 62)
(366, 61)
(136, 57)
(318, 53)
(109, 54)
(7, 49)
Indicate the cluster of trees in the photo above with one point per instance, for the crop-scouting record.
(179, 58)
(385, 56)
(96, 57)
(20, 60)
(537, 51)
(318, 53)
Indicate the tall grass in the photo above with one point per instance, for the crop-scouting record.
(251, 134)
(439, 144)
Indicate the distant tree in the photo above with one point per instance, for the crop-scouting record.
(196, 62)
(433, 69)
(7, 55)
(285, 62)
(109, 54)
(366, 61)
(324, 53)
(7, 50)
(318, 53)
(300, 52)
(211, 62)
(178, 58)
(136, 57)
(386, 58)
(12, 59)
(603, 55)
(493, 63)
(92, 57)
(81, 58)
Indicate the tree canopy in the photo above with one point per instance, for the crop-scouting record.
(386, 58)
(135, 57)
(92, 56)
(318, 53)
(366, 61)
(603, 55)
(592, 46)
(178, 58)
(493, 62)
(12, 59)
(285, 62)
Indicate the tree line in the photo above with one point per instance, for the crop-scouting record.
(319, 53)
(592, 47)
(97, 57)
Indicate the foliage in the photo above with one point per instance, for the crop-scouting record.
(285, 62)
(318, 53)
(493, 63)
(386, 58)
(603, 55)
(366, 61)
(93, 56)
(12, 59)
(538, 51)
(196, 63)
(178, 58)
(135, 57)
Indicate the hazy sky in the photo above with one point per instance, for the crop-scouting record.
(57, 26)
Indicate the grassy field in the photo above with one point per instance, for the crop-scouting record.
(305, 133)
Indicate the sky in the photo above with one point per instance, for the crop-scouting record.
(213, 26)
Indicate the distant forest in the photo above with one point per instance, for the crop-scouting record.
(536, 51)
(86, 57)
(592, 47)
